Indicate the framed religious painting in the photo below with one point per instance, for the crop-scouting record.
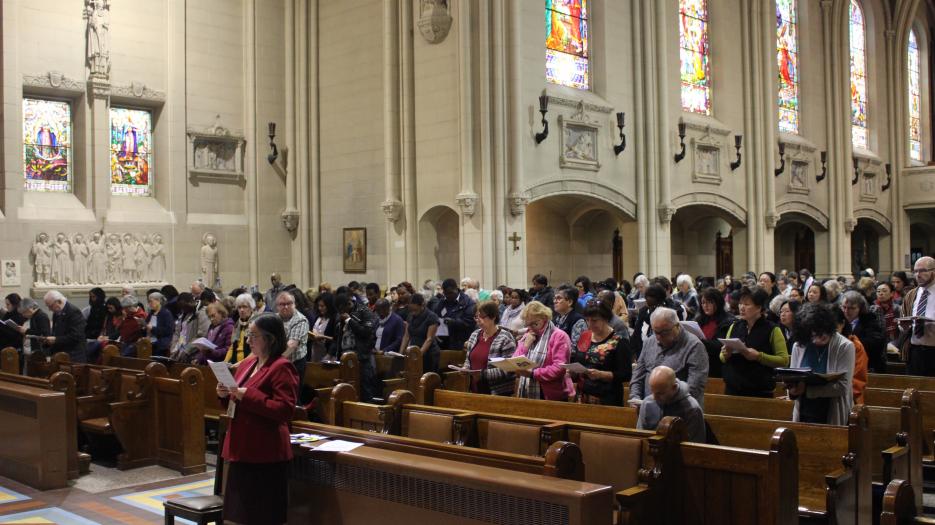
(354, 250)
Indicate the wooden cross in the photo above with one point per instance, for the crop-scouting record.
(515, 239)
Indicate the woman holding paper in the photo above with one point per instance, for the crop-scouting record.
(257, 446)
(606, 356)
(489, 341)
(821, 348)
(714, 321)
(548, 347)
(219, 334)
(748, 365)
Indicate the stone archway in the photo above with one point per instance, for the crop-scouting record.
(439, 244)
(573, 234)
(707, 240)
(868, 244)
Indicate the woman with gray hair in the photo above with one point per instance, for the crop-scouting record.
(245, 307)
(866, 326)
(160, 324)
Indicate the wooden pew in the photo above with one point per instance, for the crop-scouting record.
(892, 397)
(60, 382)
(901, 382)
(834, 462)
(400, 373)
(178, 408)
(899, 507)
(909, 408)
(33, 430)
(402, 488)
(327, 374)
(9, 361)
(753, 407)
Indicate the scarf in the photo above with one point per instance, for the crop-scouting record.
(509, 314)
(529, 387)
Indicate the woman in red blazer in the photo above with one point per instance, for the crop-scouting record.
(257, 448)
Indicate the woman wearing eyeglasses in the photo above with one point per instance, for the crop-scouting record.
(257, 445)
(548, 347)
(489, 341)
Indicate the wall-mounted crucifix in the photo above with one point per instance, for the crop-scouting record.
(515, 240)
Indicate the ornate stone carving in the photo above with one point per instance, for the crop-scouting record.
(434, 20)
(216, 155)
(290, 220)
(707, 161)
(97, 259)
(772, 219)
(391, 209)
(849, 224)
(209, 260)
(518, 203)
(139, 90)
(567, 102)
(468, 203)
(666, 212)
(798, 177)
(54, 80)
(97, 14)
(578, 141)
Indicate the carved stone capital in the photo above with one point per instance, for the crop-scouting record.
(468, 203)
(100, 87)
(391, 209)
(849, 224)
(518, 203)
(666, 212)
(434, 20)
(772, 219)
(290, 219)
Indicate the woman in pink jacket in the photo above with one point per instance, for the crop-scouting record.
(549, 348)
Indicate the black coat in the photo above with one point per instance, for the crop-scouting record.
(545, 296)
(9, 336)
(460, 321)
(68, 330)
(872, 335)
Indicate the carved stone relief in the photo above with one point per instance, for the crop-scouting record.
(707, 162)
(868, 186)
(579, 141)
(434, 20)
(209, 260)
(138, 90)
(798, 177)
(468, 203)
(97, 14)
(216, 155)
(98, 258)
(53, 80)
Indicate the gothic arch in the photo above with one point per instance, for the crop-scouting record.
(594, 189)
(813, 216)
(734, 213)
(882, 222)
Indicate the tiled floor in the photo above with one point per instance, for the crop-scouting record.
(138, 504)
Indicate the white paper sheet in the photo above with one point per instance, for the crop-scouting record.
(393, 354)
(223, 373)
(577, 368)
(692, 328)
(733, 345)
(337, 445)
(442, 330)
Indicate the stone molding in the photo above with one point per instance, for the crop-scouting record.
(467, 201)
(138, 90)
(518, 203)
(55, 81)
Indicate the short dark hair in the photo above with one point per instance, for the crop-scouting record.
(662, 281)
(373, 287)
(417, 299)
(757, 296)
(814, 319)
(771, 275)
(540, 279)
(341, 301)
(208, 296)
(185, 297)
(585, 283)
(450, 283)
(886, 284)
(568, 293)
(115, 302)
(901, 275)
(607, 298)
(656, 291)
(490, 310)
(822, 292)
(407, 286)
(273, 331)
(598, 309)
(169, 291)
(353, 285)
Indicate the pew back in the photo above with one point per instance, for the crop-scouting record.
(536, 408)
(33, 433)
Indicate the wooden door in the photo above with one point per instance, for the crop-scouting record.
(724, 254)
(805, 249)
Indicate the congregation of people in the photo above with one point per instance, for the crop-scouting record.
(663, 338)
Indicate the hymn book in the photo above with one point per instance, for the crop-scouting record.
(805, 375)
(513, 364)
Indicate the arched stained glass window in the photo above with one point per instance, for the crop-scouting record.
(693, 56)
(131, 152)
(47, 161)
(915, 99)
(858, 31)
(566, 43)
(787, 49)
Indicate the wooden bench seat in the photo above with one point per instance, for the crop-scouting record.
(33, 433)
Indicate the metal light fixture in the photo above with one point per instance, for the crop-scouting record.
(738, 141)
(824, 167)
(889, 177)
(274, 151)
(543, 108)
(618, 148)
(782, 160)
(856, 173)
(681, 154)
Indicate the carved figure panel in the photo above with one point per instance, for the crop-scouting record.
(579, 141)
(216, 155)
(707, 160)
(798, 177)
(98, 259)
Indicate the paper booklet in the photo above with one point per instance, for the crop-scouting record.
(577, 368)
(223, 374)
(204, 343)
(393, 354)
(733, 345)
(639, 303)
(513, 364)
(913, 318)
(805, 375)
(693, 328)
(442, 329)
(457, 368)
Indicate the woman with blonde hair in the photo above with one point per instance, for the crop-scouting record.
(548, 347)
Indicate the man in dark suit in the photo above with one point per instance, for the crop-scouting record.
(67, 328)
(456, 310)
(390, 328)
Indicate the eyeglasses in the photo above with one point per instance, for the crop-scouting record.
(923, 270)
(665, 333)
(285, 304)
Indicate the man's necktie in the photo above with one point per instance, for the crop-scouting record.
(919, 327)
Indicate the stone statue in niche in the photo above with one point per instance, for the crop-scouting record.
(97, 13)
(157, 259)
(80, 251)
(42, 258)
(61, 260)
(209, 260)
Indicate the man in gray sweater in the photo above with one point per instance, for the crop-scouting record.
(670, 397)
(675, 348)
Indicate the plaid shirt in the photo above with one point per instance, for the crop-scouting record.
(297, 329)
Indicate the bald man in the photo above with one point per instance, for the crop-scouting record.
(920, 302)
(670, 397)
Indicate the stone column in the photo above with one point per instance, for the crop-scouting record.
(475, 228)
(251, 155)
(313, 193)
(100, 146)
(392, 169)
(408, 139)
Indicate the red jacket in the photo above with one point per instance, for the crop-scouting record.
(259, 432)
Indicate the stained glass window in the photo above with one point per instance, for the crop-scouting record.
(915, 99)
(566, 43)
(693, 56)
(47, 160)
(787, 49)
(131, 152)
(859, 133)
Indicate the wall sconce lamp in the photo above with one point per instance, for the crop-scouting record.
(824, 167)
(681, 154)
(543, 108)
(618, 148)
(738, 140)
(856, 173)
(889, 177)
(782, 160)
(274, 151)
